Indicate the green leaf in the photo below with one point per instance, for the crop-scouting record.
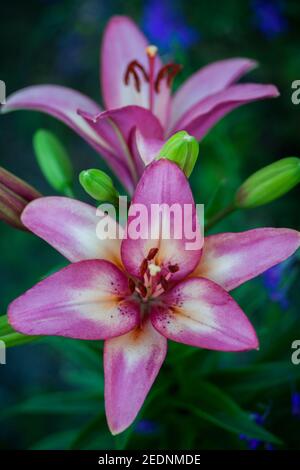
(79, 352)
(253, 379)
(12, 337)
(218, 408)
(59, 403)
(57, 441)
(216, 202)
(94, 435)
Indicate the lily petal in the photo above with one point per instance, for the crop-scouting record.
(207, 81)
(85, 300)
(122, 43)
(206, 113)
(131, 364)
(174, 231)
(72, 228)
(60, 102)
(147, 148)
(200, 313)
(117, 127)
(230, 259)
(63, 103)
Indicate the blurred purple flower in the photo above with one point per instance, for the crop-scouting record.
(269, 17)
(164, 23)
(273, 282)
(254, 444)
(295, 402)
(146, 427)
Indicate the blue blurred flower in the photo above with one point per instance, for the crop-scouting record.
(273, 282)
(164, 24)
(254, 444)
(269, 17)
(295, 402)
(146, 427)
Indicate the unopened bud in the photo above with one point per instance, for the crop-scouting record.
(53, 161)
(98, 185)
(269, 183)
(183, 150)
(15, 194)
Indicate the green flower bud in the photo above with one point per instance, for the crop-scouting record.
(269, 183)
(181, 149)
(53, 161)
(99, 185)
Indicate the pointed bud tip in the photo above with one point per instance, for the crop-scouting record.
(98, 185)
(182, 148)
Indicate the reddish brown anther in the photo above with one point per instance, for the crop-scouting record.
(131, 285)
(164, 283)
(152, 253)
(132, 70)
(169, 71)
(142, 290)
(143, 267)
(173, 268)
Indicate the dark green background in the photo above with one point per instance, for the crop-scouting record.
(58, 42)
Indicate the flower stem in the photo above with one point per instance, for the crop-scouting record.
(219, 216)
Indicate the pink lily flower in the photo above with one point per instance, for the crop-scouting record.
(140, 112)
(136, 294)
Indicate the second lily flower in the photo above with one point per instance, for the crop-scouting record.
(140, 112)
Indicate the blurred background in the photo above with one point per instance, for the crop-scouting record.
(51, 391)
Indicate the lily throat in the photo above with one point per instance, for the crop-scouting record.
(154, 278)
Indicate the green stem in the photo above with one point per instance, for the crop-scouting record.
(219, 216)
(68, 191)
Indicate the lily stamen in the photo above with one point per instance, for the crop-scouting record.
(169, 71)
(131, 70)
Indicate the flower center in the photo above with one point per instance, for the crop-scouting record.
(138, 73)
(155, 278)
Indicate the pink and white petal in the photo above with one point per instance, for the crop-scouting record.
(162, 103)
(207, 81)
(200, 313)
(162, 215)
(59, 102)
(117, 127)
(144, 150)
(147, 148)
(230, 259)
(63, 103)
(122, 43)
(85, 300)
(74, 229)
(205, 114)
(131, 364)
